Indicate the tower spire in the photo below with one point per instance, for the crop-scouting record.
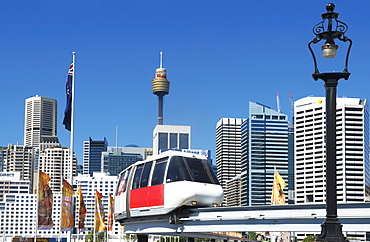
(160, 87)
(160, 59)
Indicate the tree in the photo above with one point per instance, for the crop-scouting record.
(99, 237)
(130, 237)
(310, 238)
(251, 236)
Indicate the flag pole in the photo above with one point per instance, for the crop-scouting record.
(94, 239)
(72, 116)
(72, 127)
(37, 205)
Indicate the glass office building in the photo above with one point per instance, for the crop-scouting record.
(264, 146)
(92, 155)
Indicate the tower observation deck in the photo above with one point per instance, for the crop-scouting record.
(160, 87)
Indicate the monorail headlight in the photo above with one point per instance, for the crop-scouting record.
(214, 205)
(194, 203)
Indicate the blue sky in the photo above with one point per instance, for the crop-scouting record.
(219, 55)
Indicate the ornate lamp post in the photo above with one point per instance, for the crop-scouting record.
(330, 29)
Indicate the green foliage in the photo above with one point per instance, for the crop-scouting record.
(99, 237)
(201, 240)
(250, 235)
(310, 238)
(130, 237)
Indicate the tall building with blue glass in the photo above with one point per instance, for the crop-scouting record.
(264, 145)
(92, 155)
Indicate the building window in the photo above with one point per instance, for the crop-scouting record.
(184, 141)
(163, 141)
(173, 141)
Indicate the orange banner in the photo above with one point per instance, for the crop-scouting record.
(110, 212)
(278, 196)
(99, 214)
(67, 221)
(82, 211)
(45, 203)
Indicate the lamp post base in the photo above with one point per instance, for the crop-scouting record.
(331, 230)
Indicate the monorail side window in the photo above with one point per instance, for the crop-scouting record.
(177, 170)
(145, 176)
(158, 172)
(122, 182)
(137, 176)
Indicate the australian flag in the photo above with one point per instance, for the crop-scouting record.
(68, 111)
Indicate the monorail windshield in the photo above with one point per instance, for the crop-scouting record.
(190, 169)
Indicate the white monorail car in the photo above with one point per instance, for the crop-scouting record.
(165, 182)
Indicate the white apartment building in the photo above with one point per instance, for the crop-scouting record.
(11, 183)
(56, 162)
(19, 217)
(352, 149)
(19, 158)
(167, 137)
(106, 185)
(18, 209)
(40, 119)
(228, 150)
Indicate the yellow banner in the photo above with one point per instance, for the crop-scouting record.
(99, 214)
(110, 212)
(278, 196)
(45, 203)
(82, 211)
(67, 221)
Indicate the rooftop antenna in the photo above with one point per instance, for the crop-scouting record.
(117, 136)
(291, 103)
(160, 59)
(277, 101)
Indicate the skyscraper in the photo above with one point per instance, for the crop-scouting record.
(264, 149)
(169, 137)
(92, 155)
(228, 150)
(352, 132)
(40, 120)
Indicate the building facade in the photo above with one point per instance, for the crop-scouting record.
(169, 137)
(58, 164)
(92, 155)
(233, 192)
(352, 132)
(11, 183)
(18, 208)
(116, 160)
(2, 158)
(20, 158)
(40, 120)
(228, 150)
(264, 149)
(105, 185)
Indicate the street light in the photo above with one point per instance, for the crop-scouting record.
(330, 29)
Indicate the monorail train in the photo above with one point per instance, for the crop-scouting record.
(165, 182)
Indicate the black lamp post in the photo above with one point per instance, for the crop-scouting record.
(330, 29)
